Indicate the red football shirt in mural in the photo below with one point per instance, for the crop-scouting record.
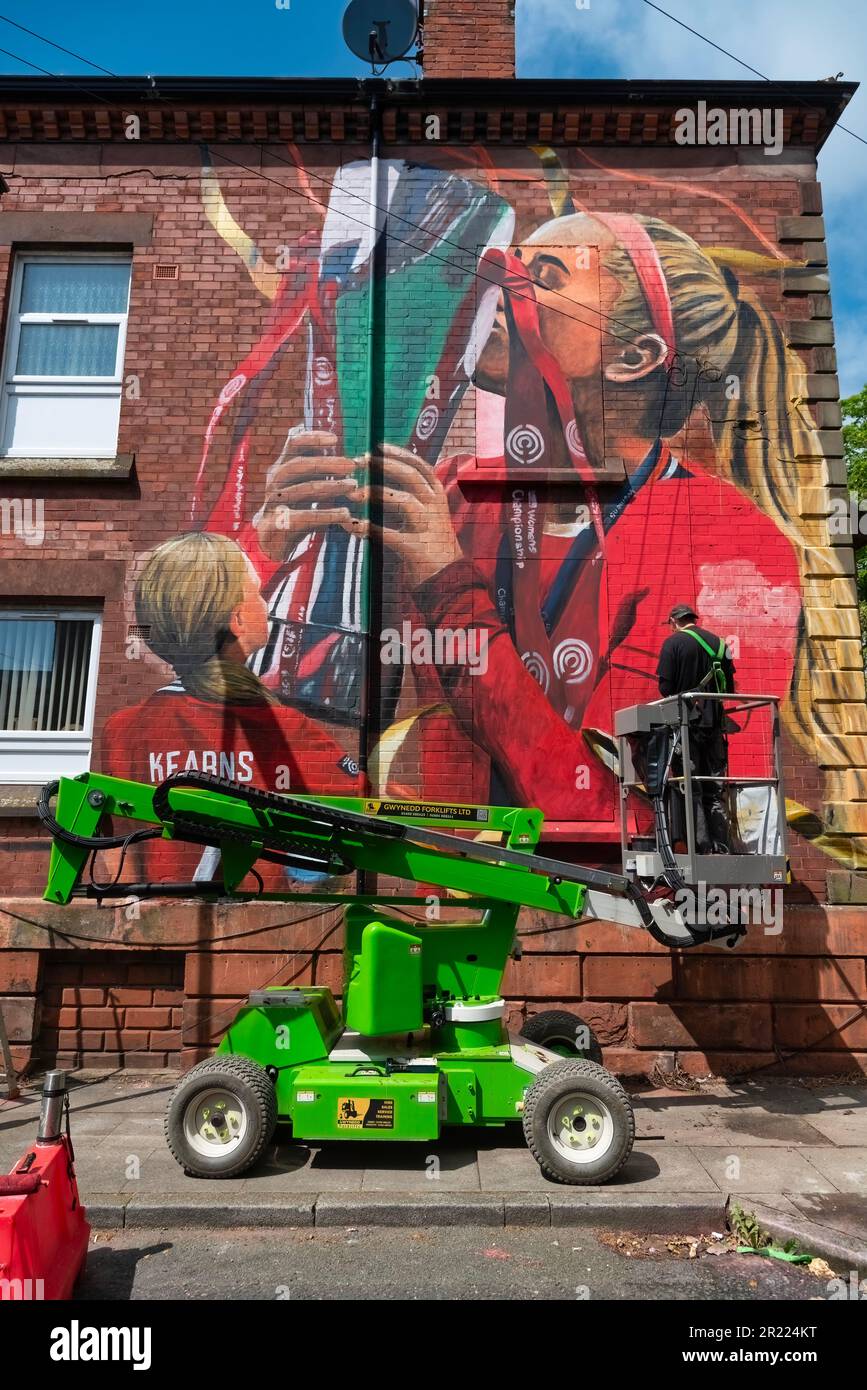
(274, 747)
(684, 536)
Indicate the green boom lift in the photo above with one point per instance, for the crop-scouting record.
(419, 1042)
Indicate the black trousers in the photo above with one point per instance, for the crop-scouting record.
(710, 755)
(708, 758)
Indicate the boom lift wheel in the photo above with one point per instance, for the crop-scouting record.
(578, 1122)
(220, 1116)
(564, 1033)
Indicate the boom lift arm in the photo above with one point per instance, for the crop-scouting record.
(338, 836)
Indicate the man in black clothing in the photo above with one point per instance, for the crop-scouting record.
(693, 658)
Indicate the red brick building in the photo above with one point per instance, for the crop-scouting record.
(186, 281)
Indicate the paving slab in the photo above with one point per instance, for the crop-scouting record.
(146, 1102)
(842, 1125)
(11, 1151)
(662, 1169)
(144, 1125)
(138, 1141)
(93, 1125)
(170, 1182)
(755, 1129)
(423, 1169)
(751, 1169)
(110, 1171)
(20, 1130)
(845, 1168)
(510, 1170)
(801, 1156)
(765, 1099)
(312, 1177)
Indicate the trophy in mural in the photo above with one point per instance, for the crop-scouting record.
(418, 255)
(417, 250)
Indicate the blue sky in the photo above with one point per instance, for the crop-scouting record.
(786, 39)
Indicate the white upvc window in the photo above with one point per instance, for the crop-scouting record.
(63, 360)
(49, 658)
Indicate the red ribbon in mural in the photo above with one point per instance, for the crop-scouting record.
(638, 244)
(290, 305)
(535, 380)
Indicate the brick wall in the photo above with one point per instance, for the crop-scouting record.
(103, 1008)
(469, 38)
(790, 1004)
(787, 1004)
(186, 339)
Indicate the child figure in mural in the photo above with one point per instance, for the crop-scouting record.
(202, 613)
(570, 586)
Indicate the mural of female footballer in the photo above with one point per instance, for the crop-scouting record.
(605, 337)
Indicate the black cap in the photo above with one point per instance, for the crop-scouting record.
(681, 613)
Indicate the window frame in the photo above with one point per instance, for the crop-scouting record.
(94, 387)
(79, 742)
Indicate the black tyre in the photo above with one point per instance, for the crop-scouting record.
(220, 1117)
(564, 1033)
(578, 1122)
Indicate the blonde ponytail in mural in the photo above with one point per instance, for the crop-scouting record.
(761, 430)
(184, 599)
(762, 436)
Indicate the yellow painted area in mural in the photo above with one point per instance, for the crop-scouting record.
(265, 277)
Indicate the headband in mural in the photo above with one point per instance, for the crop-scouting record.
(636, 241)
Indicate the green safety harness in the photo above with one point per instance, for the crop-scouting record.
(716, 670)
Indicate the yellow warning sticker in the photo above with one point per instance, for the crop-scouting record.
(365, 1112)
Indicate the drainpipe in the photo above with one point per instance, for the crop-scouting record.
(371, 595)
(372, 586)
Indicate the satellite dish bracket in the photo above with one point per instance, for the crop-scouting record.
(366, 29)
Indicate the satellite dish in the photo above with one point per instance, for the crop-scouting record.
(380, 31)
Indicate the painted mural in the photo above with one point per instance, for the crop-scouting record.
(444, 587)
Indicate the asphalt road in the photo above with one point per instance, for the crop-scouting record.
(392, 1263)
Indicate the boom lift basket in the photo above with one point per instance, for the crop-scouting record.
(656, 746)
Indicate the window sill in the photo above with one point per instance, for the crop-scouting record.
(62, 468)
(19, 798)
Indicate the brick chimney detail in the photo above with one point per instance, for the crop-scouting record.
(469, 38)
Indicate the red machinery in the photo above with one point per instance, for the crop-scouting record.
(43, 1230)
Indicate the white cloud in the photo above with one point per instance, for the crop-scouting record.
(794, 42)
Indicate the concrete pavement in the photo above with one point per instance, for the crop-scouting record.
(795, 1150)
